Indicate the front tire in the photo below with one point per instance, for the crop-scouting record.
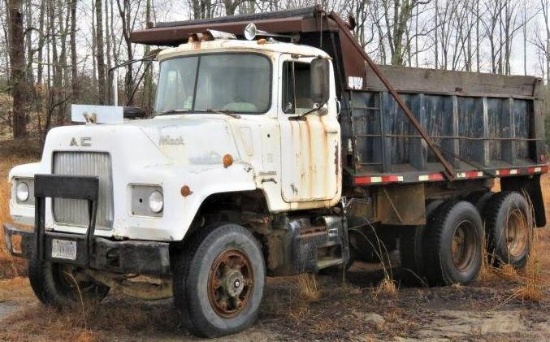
(62, 285)
(219, 285)
(509, 229)
(453, 248)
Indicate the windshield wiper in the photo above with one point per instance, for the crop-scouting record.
(173, 111)
(224, 111)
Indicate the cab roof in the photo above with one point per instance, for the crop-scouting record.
(225, 45)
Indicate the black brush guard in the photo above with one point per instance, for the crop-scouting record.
(129, 256)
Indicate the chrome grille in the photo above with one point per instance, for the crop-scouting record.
(75, 212)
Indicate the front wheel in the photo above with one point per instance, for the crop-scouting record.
(61, 285)
(219, 281)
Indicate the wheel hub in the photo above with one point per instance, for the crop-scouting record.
(517, 233)
(462, 246)
(234, 284)
(230, 283)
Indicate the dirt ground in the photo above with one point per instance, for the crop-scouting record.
(495, 308)
(501, 305)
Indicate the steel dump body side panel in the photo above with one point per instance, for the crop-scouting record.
(474, 132)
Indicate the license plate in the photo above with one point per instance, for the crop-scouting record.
(64, 249)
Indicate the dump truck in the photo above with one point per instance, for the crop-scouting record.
(278, 147)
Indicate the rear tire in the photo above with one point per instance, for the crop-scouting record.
(479, 199)
(218, 286)
(509, 229)
(453, 244)
(410, 254)
(62, 285)
(411, 250)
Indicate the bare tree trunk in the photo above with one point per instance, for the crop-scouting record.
(148, 80)
(506, 39)
(202, 9)
(51, 74)
(478, 37)
(56, 77)
(416, 34)
(113, 36)
(108, 53)
(124, 12)
(74, 64)
(63, 24)
(399, 28)
(100, 51)
(17, 63)
(94, 49)
(525, 38)
(28, 14)
(470, 57)
(436, 34)
(544, 45)
(40, 67)
(127, 29)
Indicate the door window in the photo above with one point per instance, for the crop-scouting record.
(296, 88)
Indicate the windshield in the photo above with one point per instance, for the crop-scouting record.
(214, 83)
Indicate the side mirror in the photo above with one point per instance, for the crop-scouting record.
(320, 80)
(133, 113)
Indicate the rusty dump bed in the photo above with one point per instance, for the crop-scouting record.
(477, 125)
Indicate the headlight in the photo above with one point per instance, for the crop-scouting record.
(22, 192)
(147, 200)
(156, 201)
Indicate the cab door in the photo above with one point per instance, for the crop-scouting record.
(310, 143)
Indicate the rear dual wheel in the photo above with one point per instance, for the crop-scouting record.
(452, 244)
(509, 229)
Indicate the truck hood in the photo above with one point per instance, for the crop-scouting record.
(181, 139)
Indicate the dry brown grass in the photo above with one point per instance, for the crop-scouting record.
(532, 279)
(17, 288)
(387, 287)
(308, 288)
(104, 322)
(4, 214)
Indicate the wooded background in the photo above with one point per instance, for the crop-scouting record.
(57, 52)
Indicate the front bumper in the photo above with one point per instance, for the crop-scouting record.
(84, 250)
(130, 256)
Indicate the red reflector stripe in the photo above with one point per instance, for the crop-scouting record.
(431, 177)
(365, 180)
(469, 174)
(438, 176)
(538, 169)
(508, 172)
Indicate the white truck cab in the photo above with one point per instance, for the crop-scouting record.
(229, 117)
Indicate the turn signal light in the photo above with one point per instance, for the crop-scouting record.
(186, 191)
(227, 160)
